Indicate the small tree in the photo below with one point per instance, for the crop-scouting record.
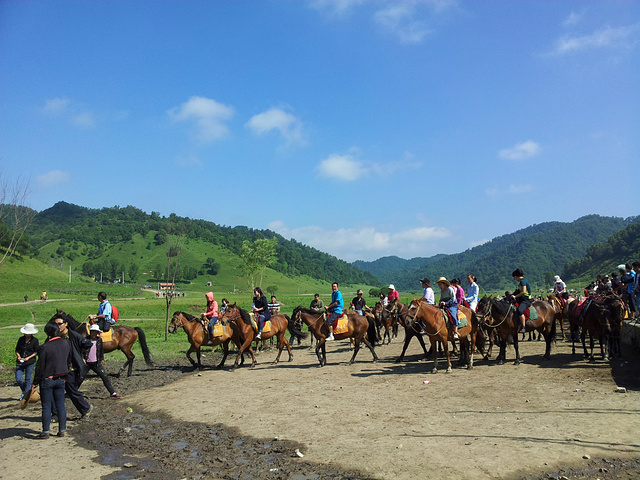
(272, 289)
(256, 257)
(173, 261)
(15, 217)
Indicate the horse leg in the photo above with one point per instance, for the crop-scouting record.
(225, 352)
(189, 352)
(502, 356)
(373, 352)
(355, 350)
(472, 350)
(407, 340)
(319, 352)
(548, 338)
(516, 347)
(435, 356)
(446, 353)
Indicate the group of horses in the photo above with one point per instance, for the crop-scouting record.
(494, 321)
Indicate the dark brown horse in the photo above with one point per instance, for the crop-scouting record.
(197, 337)
(502, 316)
(240, 321)
(616, 307)
(558, 308)
(123, 339)
(391, 317)
(361, 329)
(597, 324)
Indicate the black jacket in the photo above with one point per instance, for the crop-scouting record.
(53, 359)
(78, 345)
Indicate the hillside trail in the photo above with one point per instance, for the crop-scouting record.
(385, 420)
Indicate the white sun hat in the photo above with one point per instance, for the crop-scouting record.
(29, 329)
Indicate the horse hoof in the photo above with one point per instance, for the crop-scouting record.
(435, 370)
(469, 367)
(500, 362)
(517, 362)
(449, 370)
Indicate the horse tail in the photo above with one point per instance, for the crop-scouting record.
(142, 338)
(372, 332)
(294, 330)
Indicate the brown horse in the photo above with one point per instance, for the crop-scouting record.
(502, 316)
(361, 329)
(597, 323)
(391, 317)
(240, 321)
(123, 339)
(423, 316)
(617, 308)
(197, 337)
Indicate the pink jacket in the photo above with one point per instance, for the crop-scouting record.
(212, 306)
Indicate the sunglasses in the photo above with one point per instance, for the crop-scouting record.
(60, 323)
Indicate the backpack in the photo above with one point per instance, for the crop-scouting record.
(115, 314)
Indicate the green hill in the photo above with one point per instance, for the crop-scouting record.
(541, 250)
(111, 242)
(603, 258)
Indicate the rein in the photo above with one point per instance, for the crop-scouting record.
(444, 323)
(502, 321)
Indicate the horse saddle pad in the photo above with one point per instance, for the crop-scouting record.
(218, 330)
(341, 325)
(530, 313)
(462, 318)
(267, 327)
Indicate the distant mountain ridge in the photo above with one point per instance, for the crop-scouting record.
(540, 250)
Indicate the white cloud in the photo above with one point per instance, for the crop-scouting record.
(339, 8)
(479, 242)
(349, 168)
(52, 178)
(520, 151)
(519, 189)
(341, 167)
(606, 37)
(366, 243)
(400, 20)
(510, 190)
(55, 106)
(84, 119)
(208, 115)
(573, 18)
(289, 126)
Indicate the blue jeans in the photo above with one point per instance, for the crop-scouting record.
(52, 391)
(23, 376)
(261, 322)
(454, 314)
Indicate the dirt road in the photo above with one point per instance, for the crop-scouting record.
(361, 421)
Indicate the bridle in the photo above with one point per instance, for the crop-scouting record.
(487, 312)
(444, 323)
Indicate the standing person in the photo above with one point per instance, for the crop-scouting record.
(522, 295)
(473, 292)
(428, 293)
(335, 308)
(629, 287)
(51, 371)
(26, 298)
(260, 309)
(103, 318)
(358, 303)
(26, 350)
(78, 370)
(636, 286)
(615, 283)
(448, 300)
(211, 313)
(317, 305)
(95, 359)
(393, 294)
(274, 306)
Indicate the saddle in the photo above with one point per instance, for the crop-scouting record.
(530, 313)
(341, 325)
(463, 321)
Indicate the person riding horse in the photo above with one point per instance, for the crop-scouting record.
(448, 300)
(335, 308)
(211, 314)
(522, 295)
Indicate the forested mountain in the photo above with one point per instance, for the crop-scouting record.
(603, 258)
(540, 250)
(87, 236)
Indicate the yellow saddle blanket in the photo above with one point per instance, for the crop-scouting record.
(341, 325)
(254, 323)
(218, 330)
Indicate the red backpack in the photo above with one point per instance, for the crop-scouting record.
(115, 314)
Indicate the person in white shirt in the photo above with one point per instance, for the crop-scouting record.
(428, 294)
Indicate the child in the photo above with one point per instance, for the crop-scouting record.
(26, 350)
(95, 359)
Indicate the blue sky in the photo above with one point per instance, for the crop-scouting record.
(363, 128)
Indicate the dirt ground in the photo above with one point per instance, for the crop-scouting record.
(542, 419)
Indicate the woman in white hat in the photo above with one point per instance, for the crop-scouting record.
(560, 289)
(26, 350)
(393, 294)
(448, 300)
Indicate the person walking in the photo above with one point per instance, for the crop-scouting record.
(95, 359)
(51, 372)
(26, 351)
(78, 369)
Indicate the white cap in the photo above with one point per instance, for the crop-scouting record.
(392, 287)
(94, 327)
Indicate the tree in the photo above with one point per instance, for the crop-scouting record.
(272, 289)
(133, 271)
(15, 217)
(256, 257)
(211, 267)
(176, 242)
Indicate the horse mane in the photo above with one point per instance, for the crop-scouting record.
(188, 316)
(302, 309)
(244, 315)
(502, 306)
(67, 317)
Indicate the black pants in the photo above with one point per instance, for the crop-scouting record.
(98, 368)
(71, 386)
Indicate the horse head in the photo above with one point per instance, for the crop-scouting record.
(177, 321)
